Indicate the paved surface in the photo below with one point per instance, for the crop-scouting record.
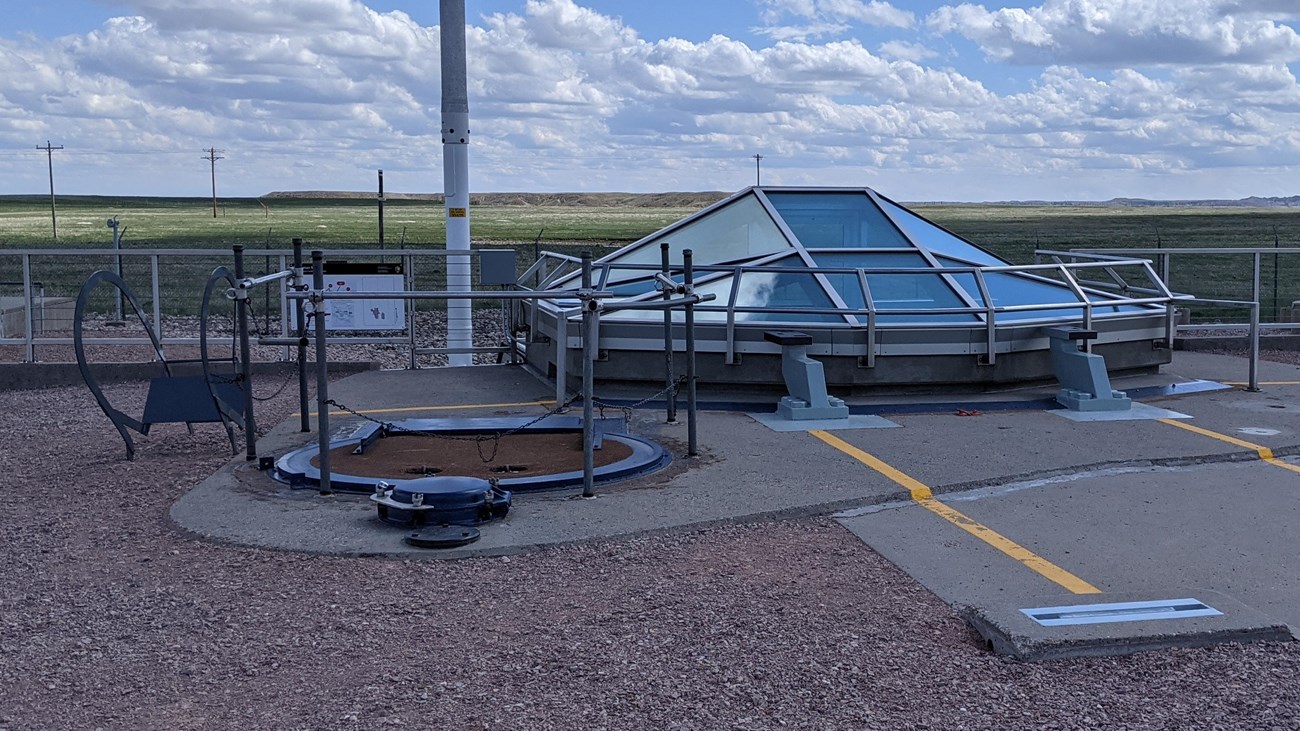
(1135, 507)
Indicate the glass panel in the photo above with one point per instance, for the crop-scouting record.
(782, 289)
(938, 241)
(1018, 289)
(836, 220)
(742, 230)
(894, 291)
(630, 282)
(758, 289)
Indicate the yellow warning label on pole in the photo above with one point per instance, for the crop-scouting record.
(456, 212)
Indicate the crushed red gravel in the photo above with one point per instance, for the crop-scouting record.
(111, 619)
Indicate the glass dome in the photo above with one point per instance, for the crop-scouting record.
(795, 255)
(889, 297)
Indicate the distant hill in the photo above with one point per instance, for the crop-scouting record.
(1253, 201)
(704, 198)
(641, 200)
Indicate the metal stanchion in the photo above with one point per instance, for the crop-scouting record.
(322, 371)
(1254, 325)
(688, 278)
(668, 338)
(245, 357)
(588, 380)
(300, 322)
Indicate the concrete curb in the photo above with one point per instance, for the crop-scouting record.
(24, 376)
(1008, 631)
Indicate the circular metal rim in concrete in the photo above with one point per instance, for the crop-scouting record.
(296, 468)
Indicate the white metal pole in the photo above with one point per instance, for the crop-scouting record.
(455, 175)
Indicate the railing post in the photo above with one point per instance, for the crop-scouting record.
(29, 345)
(411, 310)
(688, 278)
(1254, 324)
(670, 393)
(285, 316)
(588, 380)
(245, 358)
(322, 371)
(300, 327)
(156, 292)
(990, 319)
(561, 358)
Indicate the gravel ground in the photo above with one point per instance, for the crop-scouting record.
(110, 619)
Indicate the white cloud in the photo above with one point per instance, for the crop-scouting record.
(564, 97)
(873, 12)
(827, 18)
(904, 51)
(1123, 32)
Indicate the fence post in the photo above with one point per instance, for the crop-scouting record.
(156, 293)
(245, 358)
(588, 380)
(1254, 324)
(322, 371)
(688, 278)
(29, 346)
(300, 327)
(671, 393)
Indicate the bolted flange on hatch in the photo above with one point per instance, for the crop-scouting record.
(453, 500)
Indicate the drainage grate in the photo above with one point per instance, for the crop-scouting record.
(1120, 612)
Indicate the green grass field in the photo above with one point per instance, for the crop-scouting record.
(1011, 231)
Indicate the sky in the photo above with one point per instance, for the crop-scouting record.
(924, 101)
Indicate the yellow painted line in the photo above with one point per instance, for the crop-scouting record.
(923, 496)
(918, 489)
(1264, 453)
(444, 408)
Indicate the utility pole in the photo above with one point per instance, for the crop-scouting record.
(212, 157)
(49, 158)
(758, 169)
(381, 209)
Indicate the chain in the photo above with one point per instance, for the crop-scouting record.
(672, 388)
(238, 378)
(478, 439)
(495, 437)
(258, 334)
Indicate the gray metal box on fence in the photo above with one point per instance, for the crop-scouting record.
(496, 266)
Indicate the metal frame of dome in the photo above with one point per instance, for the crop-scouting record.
(889, 297)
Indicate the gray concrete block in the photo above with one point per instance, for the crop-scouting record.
(1009, 631)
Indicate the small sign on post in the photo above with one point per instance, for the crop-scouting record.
(367, 314)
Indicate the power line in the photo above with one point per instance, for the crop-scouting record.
(49, 158)
(212, 158)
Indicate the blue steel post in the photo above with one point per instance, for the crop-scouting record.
(300, 323)
(688, 278)
(322, 370)
(671, 393)
(245, 358)
(588, 381)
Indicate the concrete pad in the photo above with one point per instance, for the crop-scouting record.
(1127, 507)
(776, 423)
(1137, 412)
(1009, 631)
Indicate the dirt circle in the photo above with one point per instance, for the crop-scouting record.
(411, 456)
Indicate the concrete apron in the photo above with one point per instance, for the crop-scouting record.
(1137, 510)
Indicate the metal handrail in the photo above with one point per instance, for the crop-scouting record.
(1086, 296)
(283, 256)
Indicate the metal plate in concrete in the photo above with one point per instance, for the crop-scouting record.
(1138, 412)
(1009, 631)
(776, 423)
